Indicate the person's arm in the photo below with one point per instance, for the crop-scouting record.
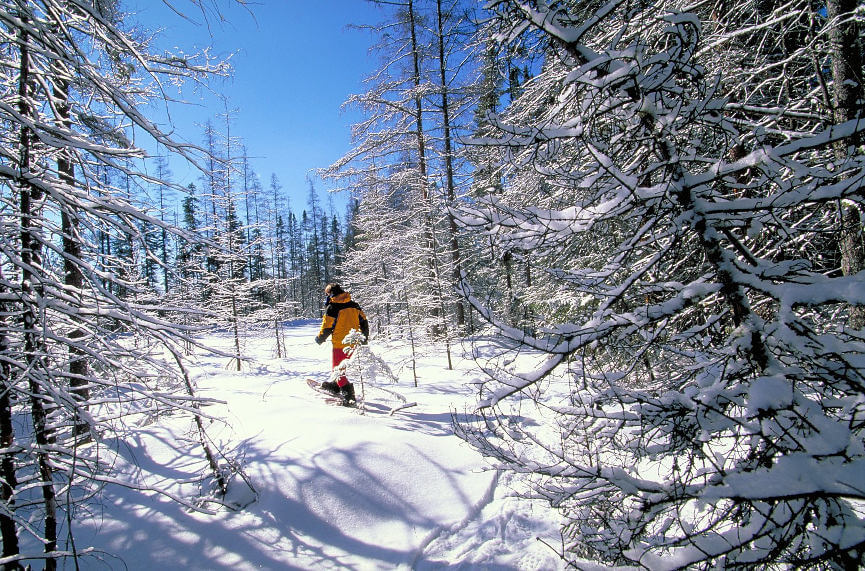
(327, 323)
(364, 324)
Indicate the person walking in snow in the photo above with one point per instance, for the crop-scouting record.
(341, 315)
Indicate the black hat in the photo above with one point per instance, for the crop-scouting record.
(333, 289)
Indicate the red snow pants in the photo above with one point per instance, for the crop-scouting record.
(338, 357)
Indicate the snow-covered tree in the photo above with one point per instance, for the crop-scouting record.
(675, 177)
(404, 161)
(229, 292)
(78, 349)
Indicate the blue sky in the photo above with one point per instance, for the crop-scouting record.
(295, 63)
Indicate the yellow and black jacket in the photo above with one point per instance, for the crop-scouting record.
(341, 315)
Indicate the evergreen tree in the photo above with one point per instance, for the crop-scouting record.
(315, 238)
(297, 262)
(337, 241)
(163, 173)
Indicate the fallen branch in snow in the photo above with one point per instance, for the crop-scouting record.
(402, 406)
(401, 398)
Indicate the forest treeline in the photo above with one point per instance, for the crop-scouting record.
(653, 207)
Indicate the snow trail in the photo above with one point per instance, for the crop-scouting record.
(441, 533)
(336, 488)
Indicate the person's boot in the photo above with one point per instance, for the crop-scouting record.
(330, 387)
(347, 394)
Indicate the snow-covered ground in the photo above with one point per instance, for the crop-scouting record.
(333, 487)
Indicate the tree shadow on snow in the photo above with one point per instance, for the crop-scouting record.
(339, 508)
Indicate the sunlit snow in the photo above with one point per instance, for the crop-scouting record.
(333, 487)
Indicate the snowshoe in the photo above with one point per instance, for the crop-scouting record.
(330, 387)
(337, 396)
(346, 393)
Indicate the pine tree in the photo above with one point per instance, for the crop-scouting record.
(296, 262)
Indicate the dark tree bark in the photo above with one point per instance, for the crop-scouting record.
(456, 271)
(73, 278)
(847, 96)
(9, 481)
(435, 311)
(30, 197)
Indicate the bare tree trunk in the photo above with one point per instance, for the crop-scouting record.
(31, 262)
(280, 349)
(421, 145)
(421, 149)
(235, 319)
(73, 278)
(456, 270)
(8, 478)
(411, 340)
(848, 96)
(202, 434)
(232, 287)
(163, 241)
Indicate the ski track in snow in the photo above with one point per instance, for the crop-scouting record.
(336, 488)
